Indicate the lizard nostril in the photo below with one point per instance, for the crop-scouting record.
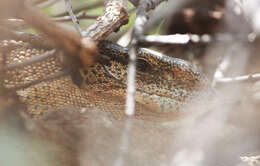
(143, 65)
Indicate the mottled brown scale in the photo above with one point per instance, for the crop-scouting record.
(164, 85)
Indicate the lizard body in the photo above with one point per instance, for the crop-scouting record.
(164, 84)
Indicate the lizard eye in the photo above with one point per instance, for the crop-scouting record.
(143, 65)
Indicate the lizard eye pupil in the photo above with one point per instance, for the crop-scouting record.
(143, 65)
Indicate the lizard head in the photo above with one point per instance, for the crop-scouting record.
(163, 83)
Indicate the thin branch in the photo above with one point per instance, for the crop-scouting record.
(124, 143)
(130, 98)
(47, 3)
(224, 63)
(73, 17)
(166, 39)
(250, 77)
(83, 52)
(34, 82)
(37, 2)
(80, 15)
(30, 61)
(194, 38)
(36, 40)
(114, 16)
(82, 7)
(12, 22)
(131, 10)
(140, 21)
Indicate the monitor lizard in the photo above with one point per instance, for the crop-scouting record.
(164, 84)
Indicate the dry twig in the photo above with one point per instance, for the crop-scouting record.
(114, 16)
(140, 21)
(250, 77)
(194, 38)
(73, 17)
(80, 15)
(224, 65)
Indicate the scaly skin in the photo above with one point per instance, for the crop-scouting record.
(164, 84)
